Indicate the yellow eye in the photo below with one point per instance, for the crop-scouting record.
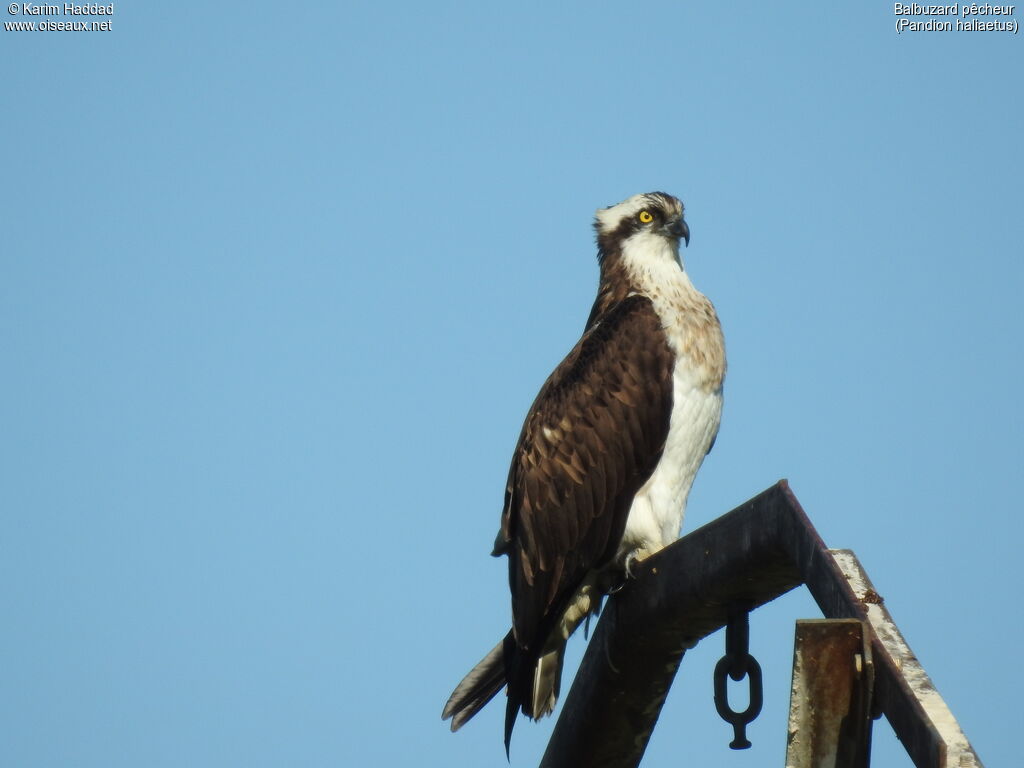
(645, 217)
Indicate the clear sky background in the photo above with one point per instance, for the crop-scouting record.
(279, 283)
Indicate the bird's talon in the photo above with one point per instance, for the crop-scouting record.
(631, 558)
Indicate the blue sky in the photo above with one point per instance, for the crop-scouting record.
(277, 286)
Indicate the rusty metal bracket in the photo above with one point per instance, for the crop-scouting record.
(830, 707)
(760, 550)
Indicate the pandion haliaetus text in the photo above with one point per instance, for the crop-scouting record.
(607, 454)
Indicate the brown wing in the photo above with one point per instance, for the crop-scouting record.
(594, 435)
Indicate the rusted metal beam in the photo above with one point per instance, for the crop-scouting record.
(679, 596)
(753, 554)
(903, 691)
(830, 704)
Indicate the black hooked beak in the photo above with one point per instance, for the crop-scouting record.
(679, 228)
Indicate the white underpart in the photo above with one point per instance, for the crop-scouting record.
(656, 515)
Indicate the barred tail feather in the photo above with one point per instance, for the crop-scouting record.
(478, 687)
(533, 685)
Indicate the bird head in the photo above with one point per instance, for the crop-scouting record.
(648, 220)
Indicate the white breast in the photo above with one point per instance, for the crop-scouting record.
(659, 507)
(693, 332)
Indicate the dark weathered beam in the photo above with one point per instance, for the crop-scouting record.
(753, 554)
(679, 596)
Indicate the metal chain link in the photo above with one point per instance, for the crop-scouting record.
(737, 664)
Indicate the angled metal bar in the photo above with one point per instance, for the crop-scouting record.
(760, 550)
(904, 692)
(679, 596)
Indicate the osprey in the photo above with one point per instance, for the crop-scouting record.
(607, 454)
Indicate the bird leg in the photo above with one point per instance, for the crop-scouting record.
(636, 556)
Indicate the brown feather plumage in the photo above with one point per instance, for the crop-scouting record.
(564, 517)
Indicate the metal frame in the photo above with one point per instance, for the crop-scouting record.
(749, 556)
(830, 714)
